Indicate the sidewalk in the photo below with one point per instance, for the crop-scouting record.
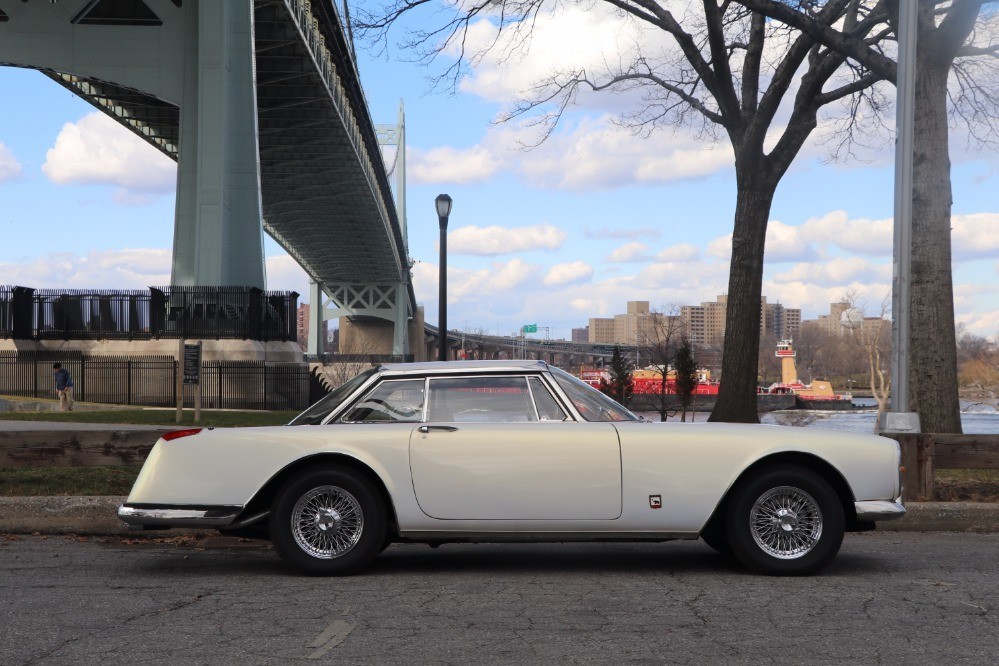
(97, 515)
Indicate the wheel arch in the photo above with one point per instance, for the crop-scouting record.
(809, 461)
(259, 507)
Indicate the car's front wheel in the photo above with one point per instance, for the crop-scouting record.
(328, 522)
(785, 520)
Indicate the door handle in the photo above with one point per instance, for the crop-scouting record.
(426, 429)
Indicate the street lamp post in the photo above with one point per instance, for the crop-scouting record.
(443, 203)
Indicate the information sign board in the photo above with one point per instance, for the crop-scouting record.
(192, 364)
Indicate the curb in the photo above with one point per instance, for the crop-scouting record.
(98, 516)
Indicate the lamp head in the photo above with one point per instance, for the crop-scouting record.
(443, 203)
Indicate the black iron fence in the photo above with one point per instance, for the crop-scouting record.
(167, 312)
(152, 380)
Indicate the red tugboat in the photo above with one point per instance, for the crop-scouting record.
(817, 395)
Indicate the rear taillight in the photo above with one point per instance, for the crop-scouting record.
(177, 434)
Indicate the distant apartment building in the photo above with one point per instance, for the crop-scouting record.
(778, 321)
(601, 330)
(303, 327)
(831, 323)
(703, 324)
(633, 326)
(581, 334)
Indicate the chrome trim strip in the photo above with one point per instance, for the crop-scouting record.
(178, 517)
(530, 537)
(879, 510)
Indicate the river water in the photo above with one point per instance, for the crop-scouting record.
(976, 418)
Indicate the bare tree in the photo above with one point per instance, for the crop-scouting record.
(351, 359)
(769, 366)
(954, 43)
(658, 343)
(808, 347)
(728, 73)
(872, 336)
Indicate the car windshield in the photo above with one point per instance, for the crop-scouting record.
(318, 412)
(591, 403)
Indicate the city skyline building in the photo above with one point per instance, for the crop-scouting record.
(702, 324)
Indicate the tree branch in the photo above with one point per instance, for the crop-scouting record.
(826, 35)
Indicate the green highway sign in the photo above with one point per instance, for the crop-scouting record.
(530, 328)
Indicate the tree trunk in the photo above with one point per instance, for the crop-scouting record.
(736, 401)
(933, 347)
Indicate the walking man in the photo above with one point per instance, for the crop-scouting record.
(64, 387)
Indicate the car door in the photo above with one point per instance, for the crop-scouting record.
(487, 452)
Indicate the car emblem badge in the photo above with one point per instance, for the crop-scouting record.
(655, 501)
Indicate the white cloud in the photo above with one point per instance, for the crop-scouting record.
(685, 252)
(451, 165)
(494, 240)
(833, 272)
(284, 274)
(857, 236)
(975, 236)
(97, 150)
(596, 154)
(629, 252)
(10, 168)
(569, 273)
(107, 269)
(464, 285)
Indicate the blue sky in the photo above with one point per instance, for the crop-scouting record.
(573, 229)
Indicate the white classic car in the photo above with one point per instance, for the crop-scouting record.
(485, 451)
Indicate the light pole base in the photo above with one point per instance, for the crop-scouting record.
(899, 422)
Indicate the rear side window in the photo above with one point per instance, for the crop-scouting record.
(398, 401)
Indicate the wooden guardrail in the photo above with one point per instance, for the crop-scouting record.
(924, 453)
(76, 448)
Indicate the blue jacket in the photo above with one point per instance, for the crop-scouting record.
(62, 379)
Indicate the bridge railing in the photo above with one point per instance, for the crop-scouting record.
(167, 312)
(348, 96)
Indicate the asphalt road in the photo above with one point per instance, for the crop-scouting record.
(890, 598)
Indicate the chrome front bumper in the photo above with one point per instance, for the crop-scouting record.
(175, 516)
(872, 510)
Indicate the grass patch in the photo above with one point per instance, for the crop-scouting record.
(164, 417)
(41, 481)
(966, 485)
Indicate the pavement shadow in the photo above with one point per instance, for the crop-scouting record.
(553, 558)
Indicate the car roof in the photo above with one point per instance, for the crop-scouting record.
(434, 367)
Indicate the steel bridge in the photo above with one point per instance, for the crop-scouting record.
(260, 103)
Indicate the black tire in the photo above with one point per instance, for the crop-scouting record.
(328, 522)
(785, 520)
(715, 536)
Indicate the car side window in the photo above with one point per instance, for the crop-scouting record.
(548, 407)
(480, 400)
(390, 401)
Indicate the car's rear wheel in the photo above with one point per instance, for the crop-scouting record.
(328, 522)
(786, 520)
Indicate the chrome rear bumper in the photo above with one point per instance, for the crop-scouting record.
(872, 510)
(177, 516)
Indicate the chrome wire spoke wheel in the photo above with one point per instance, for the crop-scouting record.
(327, 522)
(786, 522)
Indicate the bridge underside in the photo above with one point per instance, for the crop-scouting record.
(324, 194)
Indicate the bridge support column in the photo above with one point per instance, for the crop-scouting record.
(218, 239)
(315, 345)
